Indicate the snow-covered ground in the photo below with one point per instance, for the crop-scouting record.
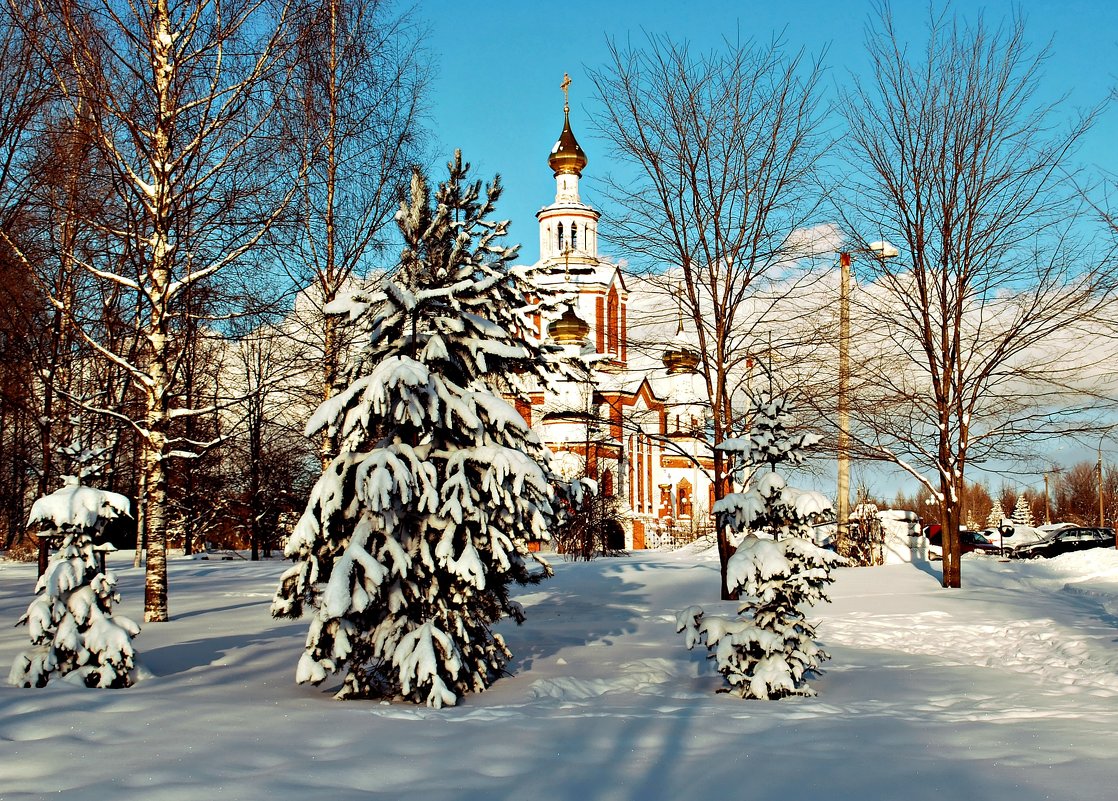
(1006, 689)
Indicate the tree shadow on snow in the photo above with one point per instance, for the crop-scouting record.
(862, 746)
(926, 566)
(182, 657)
(584, 603)
(214, 610)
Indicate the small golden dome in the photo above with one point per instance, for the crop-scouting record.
(681, 361)
(679, 356)
(569, 329)
(566, 156)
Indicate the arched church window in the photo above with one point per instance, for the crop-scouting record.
(683, 495)
(560, 239)
(574, 236)
(612, 321)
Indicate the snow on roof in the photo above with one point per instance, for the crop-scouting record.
(78, 507)
(577, 271)
(620, 381)
(679, 388)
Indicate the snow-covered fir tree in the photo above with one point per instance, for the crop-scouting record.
(414, 534)
(1022, 514)
(769, 650)
(73, 629)
(994, 519)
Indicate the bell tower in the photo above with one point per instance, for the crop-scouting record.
(568, 227)
(595, 313)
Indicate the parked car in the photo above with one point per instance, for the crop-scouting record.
(1014, 535)
(1066, 540)
(969, 541)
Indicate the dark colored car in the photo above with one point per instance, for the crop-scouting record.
(1066, 541)
(968, 540)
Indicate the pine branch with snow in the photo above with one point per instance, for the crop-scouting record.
(769, 650)
(73, 630)
(414, 534)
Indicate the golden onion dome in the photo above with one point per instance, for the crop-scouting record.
(569, 329)
(566, 156)
(679, 356)
(681, 361)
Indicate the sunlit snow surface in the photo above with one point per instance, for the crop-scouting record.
(1007, 689)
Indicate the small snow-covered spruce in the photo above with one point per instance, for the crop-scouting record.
(769, 650)
(414, 534)
(73, 630)
(1022, 514)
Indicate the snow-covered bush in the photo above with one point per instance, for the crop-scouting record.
(413, 535)
(864, 544)
(769, 650)
(73, 630)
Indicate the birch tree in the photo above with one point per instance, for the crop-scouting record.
(178, 93)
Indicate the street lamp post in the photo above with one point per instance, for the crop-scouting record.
(880, 251)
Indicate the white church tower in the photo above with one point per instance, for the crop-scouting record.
(633, 425)
(568, 227)
(569, 254)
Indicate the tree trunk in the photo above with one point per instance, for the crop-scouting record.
(725, 549)
(952, 518)
(155, 586)
(330, 362)
(254, 504)
(159, 279)
(141, 508)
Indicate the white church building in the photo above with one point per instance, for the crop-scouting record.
(632, 422)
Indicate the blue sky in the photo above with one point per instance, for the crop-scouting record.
(496, 89)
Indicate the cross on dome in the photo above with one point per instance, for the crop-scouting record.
(566, 156)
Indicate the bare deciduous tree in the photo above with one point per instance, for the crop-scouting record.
(969, 340)
(178, 94)
(24, 108)
(721, 151)
(275, 462)
(358, 83)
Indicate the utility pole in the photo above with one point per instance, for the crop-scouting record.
(1102, 521)
(881, 251)
(842, 502)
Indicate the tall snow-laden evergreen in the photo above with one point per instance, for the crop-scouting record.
(73, 629)
(414, 534)
(769, 650)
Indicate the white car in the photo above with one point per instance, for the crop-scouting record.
(1015, 536)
